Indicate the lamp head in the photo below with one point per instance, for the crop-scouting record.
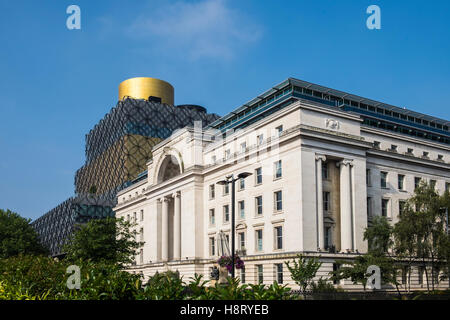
(244, 175)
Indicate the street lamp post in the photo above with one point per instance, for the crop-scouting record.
(231, 180)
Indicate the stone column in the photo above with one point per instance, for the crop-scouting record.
(319, 182)
(177, 227)
(346, 206)
(165, 229)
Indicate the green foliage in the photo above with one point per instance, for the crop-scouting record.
(323, 286)
(164, 286)
(304, 271)
(379, 236)
(356, 270)
(420, 232)
(107, 240)
(17, 236)
(31, 277)
(34, 275)
(324, 290)
(105, 282)
(169, 285)
(18, 293)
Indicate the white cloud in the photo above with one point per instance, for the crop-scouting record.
(201, 29)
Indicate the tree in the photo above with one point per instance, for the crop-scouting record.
(379, 236)
(17, 236)
(356, 270)
(304, 271)
(421, 233)
(107, 240)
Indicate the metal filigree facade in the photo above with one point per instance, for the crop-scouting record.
(117, 151)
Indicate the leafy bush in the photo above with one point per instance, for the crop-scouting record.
(164, 286)
(28, 277)
(17, 236)
(304, 271)
(33, 275)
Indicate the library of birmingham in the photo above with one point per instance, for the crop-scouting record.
(323, 163)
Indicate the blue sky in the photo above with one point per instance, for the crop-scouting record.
(56, 84)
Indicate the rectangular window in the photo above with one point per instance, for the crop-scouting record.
(383, 180)
(241, 184)
(325, 173)
(369, 207)
(260, 272)
(279, 272)
(213, 159)
(142, 215)
(401, 182)
(258, 175)
(278, 238)
(258, 205)
(226, 213)
(243, 275)
(447, 186)
(260, 139)
(212, 193)
(243, 147)
(141, 256)
(384, 207)
(278, 171)
(212, 247)
(141, 234)
(433, 184)
(401, 207)
(336, 268)
(134, 217)
(278, 200)
(404, 275)
(326, 201)
(421, 272)
(226, 189)
(241, 239)
(328, 239)
(241, 205)
(259, 240)
(212, 217)
(279, 130)
(227, 154)
(417, 181)
(368, 178)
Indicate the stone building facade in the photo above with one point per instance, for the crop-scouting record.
(322, 164)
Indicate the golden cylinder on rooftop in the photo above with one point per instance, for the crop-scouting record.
(143, 88)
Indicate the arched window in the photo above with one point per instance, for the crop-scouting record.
(169, 168)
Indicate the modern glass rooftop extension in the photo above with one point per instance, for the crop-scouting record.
(374, 113)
